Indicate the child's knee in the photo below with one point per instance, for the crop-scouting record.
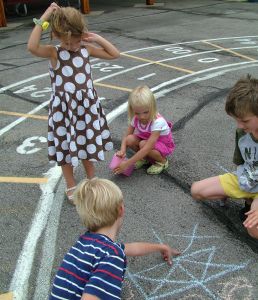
(131, 140)
(253, 232)
(196, 191)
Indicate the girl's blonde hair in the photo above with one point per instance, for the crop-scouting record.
(142, 96)
(98, 202)
(66, 22)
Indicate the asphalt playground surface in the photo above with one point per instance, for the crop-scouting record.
(190, 52)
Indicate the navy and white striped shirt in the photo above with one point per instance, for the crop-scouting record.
(94, 265)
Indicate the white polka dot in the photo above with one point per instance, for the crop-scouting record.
(72, 146)
(109, 146)
(67, 97)
(89, 84)
(105, 134)
(74, 119)
(91, 148)
(59, 80)
(84, 52)
(80, 78)
(74, 161)
(87, 118)
(102, 121)
(56, 101)
(67, 122)
(77, 62)
(51, 150)
(70, 114)
(56, 141)
(80, 110)
(79, 95)
(57, 65)
(59, 156)
(50, 122)
(89, 133)
(64, 55)
(99, 140)
(101, 155)
(72, 131)
(67, 71)
(57, 116)
(69, 87)
(81, 140)
(68, 159)
(86, 103)
(68, 137)
(73, 104)
(80, 125)
(87, 68)
(61, 131)
(82, 154)
(64, 145)
(50, 136)
(63, 107)
(96, 124)
(93, 109)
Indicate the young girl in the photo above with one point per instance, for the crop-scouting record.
(77, 127)
(148, 134)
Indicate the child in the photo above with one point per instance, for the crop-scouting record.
(242, 105)
(77, 127)
(94, 268)
(148, 134)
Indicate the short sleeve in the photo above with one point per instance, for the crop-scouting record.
(106, 280)
(237, 157)
(160, 124)
(132, 123)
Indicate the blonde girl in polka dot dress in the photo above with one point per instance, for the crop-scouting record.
(77, 126)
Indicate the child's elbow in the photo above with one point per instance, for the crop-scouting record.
(116, 55)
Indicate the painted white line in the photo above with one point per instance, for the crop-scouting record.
(20, 279)
(21, 119)
(146, 76)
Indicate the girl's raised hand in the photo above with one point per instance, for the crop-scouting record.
(52, 7)
(90, 37)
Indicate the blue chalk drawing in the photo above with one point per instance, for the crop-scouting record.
(192, 269)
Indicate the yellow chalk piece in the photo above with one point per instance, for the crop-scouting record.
(6, 296)
(157, 63)
(11, 113)
(113, 87)
(23, 180)
(230, 51)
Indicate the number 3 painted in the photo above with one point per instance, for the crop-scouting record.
(29, 144)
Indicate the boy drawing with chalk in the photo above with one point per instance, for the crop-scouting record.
(241, 105)
(94, 267)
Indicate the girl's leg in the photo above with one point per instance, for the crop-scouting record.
(253, 232)
(153, 154)
(132, 141)
(69, 178)
(89, 168)
(208, 189)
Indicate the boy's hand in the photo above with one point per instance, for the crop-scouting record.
(252, 218)
(167, 252)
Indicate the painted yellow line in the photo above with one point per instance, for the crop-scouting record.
(157, 63)
(23, 180)
(230, 51)
(113, 87)
(6, 296)
(11, 113)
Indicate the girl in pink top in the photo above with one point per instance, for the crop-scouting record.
(148, 134)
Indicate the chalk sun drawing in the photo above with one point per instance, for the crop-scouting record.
(193, 269)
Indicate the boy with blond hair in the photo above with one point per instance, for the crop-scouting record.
(94, 267)
(242, 106)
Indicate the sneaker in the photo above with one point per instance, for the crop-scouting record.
(244, 210)
(140, 163)
(157, 168)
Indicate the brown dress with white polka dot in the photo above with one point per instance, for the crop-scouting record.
(77, 126)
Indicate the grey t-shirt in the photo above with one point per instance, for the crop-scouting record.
(246, 158)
